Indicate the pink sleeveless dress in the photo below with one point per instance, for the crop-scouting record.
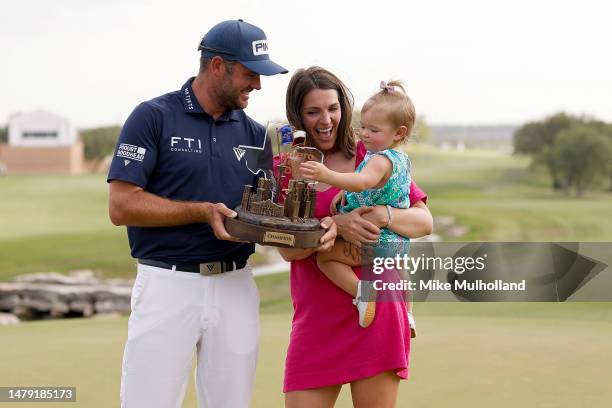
(327, 346)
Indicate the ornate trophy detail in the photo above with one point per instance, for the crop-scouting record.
(279, 211)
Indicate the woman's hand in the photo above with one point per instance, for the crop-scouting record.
(329, 238)
(356, 229)
(326, 243)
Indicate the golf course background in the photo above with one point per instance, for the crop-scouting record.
(466, 354)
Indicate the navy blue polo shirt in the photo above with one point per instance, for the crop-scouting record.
(170, 147)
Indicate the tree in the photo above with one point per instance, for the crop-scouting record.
(532, 137)
(538, 138)
(100, 142)
(606, 129)
(582, 156)
(3, 135)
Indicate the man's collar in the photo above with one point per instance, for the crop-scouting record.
(191, 104)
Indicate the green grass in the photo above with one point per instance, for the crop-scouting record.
(500, 199)
(466, 354)
(60, 224)
(274, 293)
(106, 251)
(55, 223)
(53, 205)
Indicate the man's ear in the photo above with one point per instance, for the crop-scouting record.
(217, 66)
(401, 133)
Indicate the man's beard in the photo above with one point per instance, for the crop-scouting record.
(227, 96)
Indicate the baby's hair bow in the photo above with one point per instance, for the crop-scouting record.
(385, 87)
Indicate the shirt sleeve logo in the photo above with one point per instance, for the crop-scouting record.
(131, 152)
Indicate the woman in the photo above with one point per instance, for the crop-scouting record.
(327, 348)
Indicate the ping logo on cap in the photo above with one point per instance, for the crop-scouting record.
(260, 47)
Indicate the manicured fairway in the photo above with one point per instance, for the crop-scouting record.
(466, 355)
(54, 223)
(476, 355)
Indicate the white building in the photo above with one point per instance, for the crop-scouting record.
(40, 129)
(40, 142)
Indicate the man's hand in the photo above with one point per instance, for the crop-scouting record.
(329, 238)
(215, 216)
(355, 229)
(313, 170)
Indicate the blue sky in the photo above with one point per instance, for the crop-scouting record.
(464, 62)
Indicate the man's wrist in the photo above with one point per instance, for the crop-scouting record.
(378, 216)
(203, 210)
(339, 225)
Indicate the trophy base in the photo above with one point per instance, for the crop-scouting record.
(274, 231)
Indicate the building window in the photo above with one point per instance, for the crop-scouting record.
(38, 135)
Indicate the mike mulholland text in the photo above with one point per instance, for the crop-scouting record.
(434, 284)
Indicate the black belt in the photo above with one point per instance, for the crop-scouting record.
(210, 268)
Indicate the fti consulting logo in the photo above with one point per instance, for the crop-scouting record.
(185, 145)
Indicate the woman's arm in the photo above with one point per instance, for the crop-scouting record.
(295, 254)
(413, 222)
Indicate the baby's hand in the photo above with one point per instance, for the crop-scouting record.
(339, 198)
(313, 170)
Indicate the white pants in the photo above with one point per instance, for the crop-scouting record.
(176, 314)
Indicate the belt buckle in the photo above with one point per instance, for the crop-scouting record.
(211, 268)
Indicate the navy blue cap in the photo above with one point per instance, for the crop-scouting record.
(236, 40)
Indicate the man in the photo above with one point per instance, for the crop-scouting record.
(175, 176)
